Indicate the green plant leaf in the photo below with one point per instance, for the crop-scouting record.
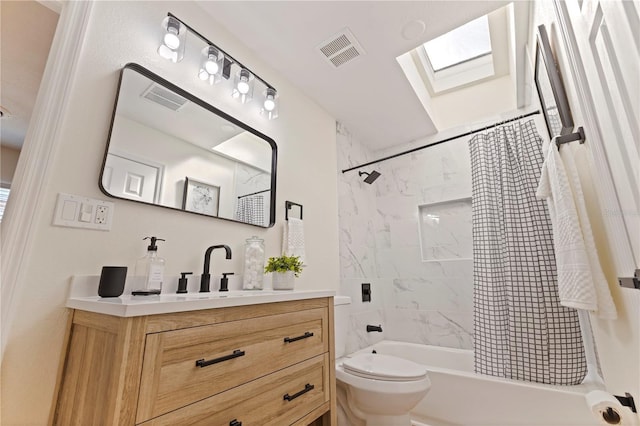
(284, 264)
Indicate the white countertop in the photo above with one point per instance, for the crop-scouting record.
(82, 288)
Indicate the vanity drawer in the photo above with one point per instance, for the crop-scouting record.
(183, 366)
(260, 402)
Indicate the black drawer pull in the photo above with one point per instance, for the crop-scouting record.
(235, 422)
(306, 389)
(202, 363)
(293, 339)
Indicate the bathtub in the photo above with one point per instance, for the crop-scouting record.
(458, 396)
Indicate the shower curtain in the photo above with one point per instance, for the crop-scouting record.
(250, 209)
(520, 329)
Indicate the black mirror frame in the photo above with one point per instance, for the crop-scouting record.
(544, 54)
(156, 78)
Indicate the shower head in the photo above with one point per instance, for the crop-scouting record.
(370, 176)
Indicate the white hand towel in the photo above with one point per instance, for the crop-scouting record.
(293, 238)
(581, 282)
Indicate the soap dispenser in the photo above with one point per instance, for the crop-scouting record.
(149, 271)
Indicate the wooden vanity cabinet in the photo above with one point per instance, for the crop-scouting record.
(257, 365)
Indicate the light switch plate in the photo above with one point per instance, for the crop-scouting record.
(81, 212)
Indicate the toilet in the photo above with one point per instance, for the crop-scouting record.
(376, 389)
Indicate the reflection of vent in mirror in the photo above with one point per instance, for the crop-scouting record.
(164, 97)
(341, 48)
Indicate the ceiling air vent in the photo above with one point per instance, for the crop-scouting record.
(341, 48)
(164, 97)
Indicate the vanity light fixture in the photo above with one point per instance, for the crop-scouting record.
(270, 104)
(173, 40)
(212, 65)
(216, 65)
(243, 86)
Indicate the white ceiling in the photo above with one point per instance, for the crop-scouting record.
(191, 123)
(370, 94)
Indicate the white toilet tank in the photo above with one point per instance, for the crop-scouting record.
(341, 323)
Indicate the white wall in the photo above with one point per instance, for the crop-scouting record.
(118, 33)
(617, 342)
(449, 110)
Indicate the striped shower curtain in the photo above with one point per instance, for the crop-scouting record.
(520, 329)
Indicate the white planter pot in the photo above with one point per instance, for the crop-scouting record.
(283, 280)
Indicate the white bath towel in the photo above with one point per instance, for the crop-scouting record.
(581, 282)
(293, 238)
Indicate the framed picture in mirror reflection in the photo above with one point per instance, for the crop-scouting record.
(200, 197)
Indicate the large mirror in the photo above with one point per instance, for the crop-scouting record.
(168, 148)
(553, 97)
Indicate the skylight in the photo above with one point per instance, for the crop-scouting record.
(462, 44)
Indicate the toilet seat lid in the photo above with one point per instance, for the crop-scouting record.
(384, 367)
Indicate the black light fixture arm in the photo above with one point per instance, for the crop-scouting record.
(226, 55)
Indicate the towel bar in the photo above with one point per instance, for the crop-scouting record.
(288, 205)
(630, 282)
(571, 137)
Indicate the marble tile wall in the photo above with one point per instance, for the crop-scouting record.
(416, 301)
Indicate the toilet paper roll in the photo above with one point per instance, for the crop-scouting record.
(608, 410)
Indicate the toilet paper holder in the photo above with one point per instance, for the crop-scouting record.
(627, 401)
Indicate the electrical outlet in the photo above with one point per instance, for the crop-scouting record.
(74, 211)
(102, 214)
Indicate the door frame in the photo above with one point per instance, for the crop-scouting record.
(157, 196)
(618, 236)
(41, 144)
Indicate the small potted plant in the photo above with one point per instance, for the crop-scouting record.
(284, 269)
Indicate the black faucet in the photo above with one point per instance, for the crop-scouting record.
(206, 276)
(371, 328)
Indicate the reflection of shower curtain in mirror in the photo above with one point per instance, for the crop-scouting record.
(520, 329)
(251, 209)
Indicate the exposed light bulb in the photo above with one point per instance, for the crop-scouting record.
(270, 99)
(243, 83)
(269, 104)
(243, 87)
(211, 66)
(171, 38)
(203, 75)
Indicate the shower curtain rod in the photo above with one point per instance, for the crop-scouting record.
(443, 141)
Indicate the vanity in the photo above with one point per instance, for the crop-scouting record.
(242, 359)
